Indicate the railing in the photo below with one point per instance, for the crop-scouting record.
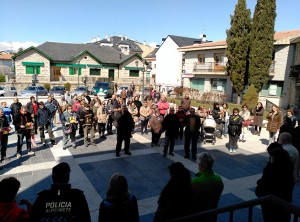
(272, 200)
(210, 67)
(272, 67)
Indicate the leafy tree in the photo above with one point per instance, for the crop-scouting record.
(251, 97)
(261, 43)
(2, 78)
(238, 47)
(67, 85)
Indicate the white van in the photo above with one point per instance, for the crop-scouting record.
(8, 91)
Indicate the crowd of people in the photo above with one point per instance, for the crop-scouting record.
(156, 114)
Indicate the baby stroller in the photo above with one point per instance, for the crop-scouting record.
(209, 130)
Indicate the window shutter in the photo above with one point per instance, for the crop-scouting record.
(71, 71)
(38, 70)
(79, 71)
(29, 69)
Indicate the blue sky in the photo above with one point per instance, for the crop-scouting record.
(37, 21)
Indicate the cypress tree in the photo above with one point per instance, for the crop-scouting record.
(238, 47)
(261, 43)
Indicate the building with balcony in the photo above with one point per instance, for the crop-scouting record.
(58, 63)
(204, 68)
(168, 59)
(151, 70)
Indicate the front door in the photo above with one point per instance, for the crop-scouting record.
(56, 74)
(111, 74)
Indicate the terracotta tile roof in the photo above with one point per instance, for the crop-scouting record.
(6, 56)
(285, 34)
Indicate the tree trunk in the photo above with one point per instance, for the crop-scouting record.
(238, 100)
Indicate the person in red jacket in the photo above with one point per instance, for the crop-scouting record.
(9, 210)
(163, 106)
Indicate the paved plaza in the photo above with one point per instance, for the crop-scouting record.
(146, 170)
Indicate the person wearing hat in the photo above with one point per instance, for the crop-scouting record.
(43, 122)
(87, 121)
(171, 125)
(207, 186)
(125, 126)
(61, 202)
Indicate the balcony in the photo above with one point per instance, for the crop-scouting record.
(219, 67)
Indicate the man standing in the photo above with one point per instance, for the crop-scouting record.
(4, 130)
(52, 108)
(192, 125)
(23, 123)
(43, 122)
(87, 121)
(207, 186)
(125, 125)
(15, 107)
(285, 139)
(61, 202)
(171, 125)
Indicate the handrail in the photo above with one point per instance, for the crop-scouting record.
(246, 204)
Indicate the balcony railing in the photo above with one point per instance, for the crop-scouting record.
(210, 67)
(250, 204)
(272, 67)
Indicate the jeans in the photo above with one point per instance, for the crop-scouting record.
(101, 128)
(144, 124)
(109, 124)
(27, 135)
(225, 129)
(233, 141)
(155, 138)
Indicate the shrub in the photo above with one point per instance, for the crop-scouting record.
(67, 85)
(250, 97)
(2, 78)
(47, 86)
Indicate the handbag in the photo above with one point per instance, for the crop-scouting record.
(246, 122)
(69, 129)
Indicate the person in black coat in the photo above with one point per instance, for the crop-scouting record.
(119, 204)
(43, 121)
(61, 202)
(24, 124)
(277, 180)
(192, 125)
(171, 125)
(234, 129)
(15, 107)
(4, 130)
(125, 126)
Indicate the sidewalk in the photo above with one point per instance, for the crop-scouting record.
(146, 170)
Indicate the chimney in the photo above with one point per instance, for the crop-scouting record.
(157, 46)
(107, 37)
(204, 38)
(145, 43)
(98, 38)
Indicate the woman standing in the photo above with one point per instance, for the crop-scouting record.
(226, 119)
(69, 126)
(119, 204)
(258, 118)
(277, 180)
(110, 110)
(245, 114)
(274, 123)
(155, 123)
(102, 117)
(145, 114)
(234, 129)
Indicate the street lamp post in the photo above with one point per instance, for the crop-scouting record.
(78, 73)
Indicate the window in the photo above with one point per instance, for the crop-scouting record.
(219, 58)
(272, 88)
(218, 85)
(33, 70)
(73, 71)
(95, 72)
(134, 73)
(197, 83)
(201, 58)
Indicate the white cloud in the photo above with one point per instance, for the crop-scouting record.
(16, 45)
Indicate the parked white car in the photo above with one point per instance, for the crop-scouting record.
(121, 88)
(8, 91)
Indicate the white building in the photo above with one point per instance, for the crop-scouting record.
(205, 64)
(169, 60)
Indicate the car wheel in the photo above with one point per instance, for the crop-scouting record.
(2, 95)
(15, 94)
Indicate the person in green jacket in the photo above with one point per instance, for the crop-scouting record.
(207, 186)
